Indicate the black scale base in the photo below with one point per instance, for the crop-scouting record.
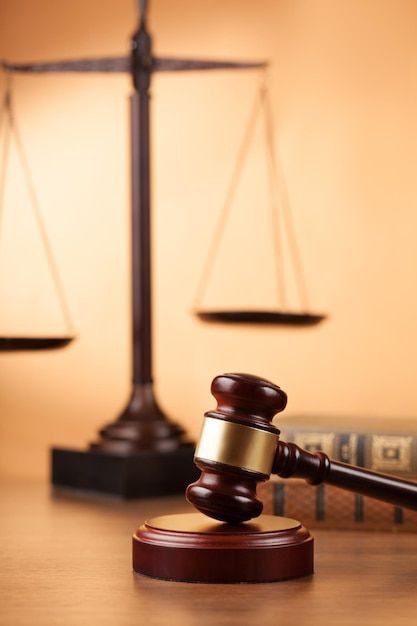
(139, 475)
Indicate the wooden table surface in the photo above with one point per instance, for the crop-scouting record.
(67, 561)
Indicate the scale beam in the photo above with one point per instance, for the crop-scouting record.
(124, 65)
(168, 64)
(100, 64)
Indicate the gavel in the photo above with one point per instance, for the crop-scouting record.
(240, 447)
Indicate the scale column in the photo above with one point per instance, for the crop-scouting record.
(142, 425)
(141, 208)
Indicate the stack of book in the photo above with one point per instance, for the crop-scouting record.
(368, 443)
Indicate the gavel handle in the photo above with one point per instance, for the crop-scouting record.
(291, 460)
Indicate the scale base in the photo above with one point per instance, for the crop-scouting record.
(195, 548)
(135, 475)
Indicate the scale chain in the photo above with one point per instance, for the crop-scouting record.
(280, 196)
(278, 200)
(227, 205)
(11, 129)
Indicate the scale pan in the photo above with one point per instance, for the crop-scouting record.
(261, 317)
(16, 344)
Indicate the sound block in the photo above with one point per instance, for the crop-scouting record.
(195, 548)
(136, 475)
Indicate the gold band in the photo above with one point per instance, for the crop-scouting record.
(237, 445)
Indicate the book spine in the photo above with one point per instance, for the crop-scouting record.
(391, 454)
(326, 506)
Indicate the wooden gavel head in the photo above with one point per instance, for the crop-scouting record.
(237, 447)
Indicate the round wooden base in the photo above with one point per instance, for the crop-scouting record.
(195, 548)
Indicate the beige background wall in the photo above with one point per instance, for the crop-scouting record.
(344, 89)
